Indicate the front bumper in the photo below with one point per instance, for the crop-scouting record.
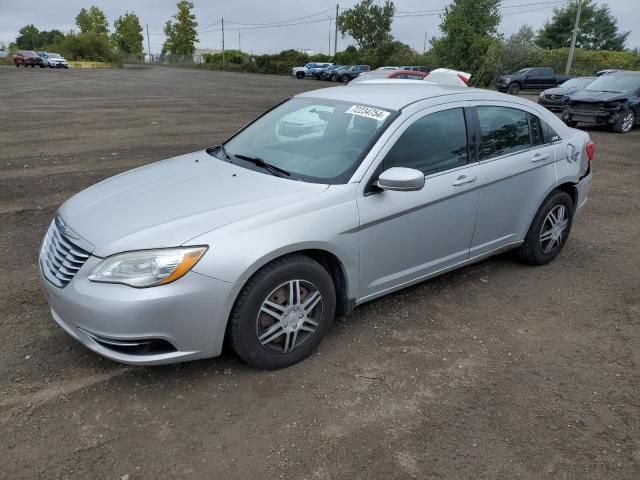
(596, 116)
(552, 105)
(189, 316)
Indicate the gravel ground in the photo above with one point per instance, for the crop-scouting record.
(498, 370)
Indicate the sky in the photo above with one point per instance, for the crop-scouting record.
(314, 23)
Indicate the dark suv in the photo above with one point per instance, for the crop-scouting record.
(347, 75)
(28, 58)
(612, 99)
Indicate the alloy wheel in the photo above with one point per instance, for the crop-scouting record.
(289, 316)
(553, 229)
(627, 122)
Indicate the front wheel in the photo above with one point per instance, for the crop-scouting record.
(625, 122)
(513, 89)
(282, 313)
(549, 230)
(299, 75)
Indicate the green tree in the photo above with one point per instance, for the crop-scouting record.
(92, 20)
(598, 29)
(519, 50)
(28, 38)
(469, 30)
(368, 24)
(127, 36)
(181, 32)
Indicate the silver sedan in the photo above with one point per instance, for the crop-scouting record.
(330, 200)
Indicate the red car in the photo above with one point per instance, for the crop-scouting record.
(28, 58)
(384, 74)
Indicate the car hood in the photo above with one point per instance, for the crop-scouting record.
(593, 96)
(561, 91)
(168, 203)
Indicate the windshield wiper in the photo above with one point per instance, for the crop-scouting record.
(277, 171)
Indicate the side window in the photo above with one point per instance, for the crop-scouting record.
(503, 130)
(537, 134)
(433, 143)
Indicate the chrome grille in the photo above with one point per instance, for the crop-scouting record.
(60, 259)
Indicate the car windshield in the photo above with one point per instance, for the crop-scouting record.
(521, 71)
(577, 82)
(314, 140)
(55, 55)
(615, 83)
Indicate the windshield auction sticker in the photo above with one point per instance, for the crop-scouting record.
(368, 112)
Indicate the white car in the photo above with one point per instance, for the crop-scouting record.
(308, 69)
(446, 76)
(54, 60)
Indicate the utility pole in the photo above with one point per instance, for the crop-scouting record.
(223, 42)
(329, 52)
(424, 50)
(573, 39)
(239, 44)
(335, 40)
(148, 43)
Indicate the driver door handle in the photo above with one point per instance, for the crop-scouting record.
(462, 179)
(538, 157)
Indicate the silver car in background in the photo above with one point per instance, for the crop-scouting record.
(332, 199)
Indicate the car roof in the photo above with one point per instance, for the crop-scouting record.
(396, 94)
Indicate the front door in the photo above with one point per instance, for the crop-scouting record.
(406, 236)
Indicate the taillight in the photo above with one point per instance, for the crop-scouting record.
(591, 150)
(464, 78)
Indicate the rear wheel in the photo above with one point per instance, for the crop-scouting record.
(625, 122)
(549, 230)
(282, 313)
(513, 89)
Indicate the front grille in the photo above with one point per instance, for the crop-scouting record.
(555, 98)
(60, 259)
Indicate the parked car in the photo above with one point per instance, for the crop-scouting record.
(415, 68)
(557, 98)
(605, 72)
(308, 69)
(319, 73)
(263, 241)
(345, 76)
(612, 99)
(27, 58)
(334, 74)
(527, 78)
(446, 76)
(53, 60)
(388, 74)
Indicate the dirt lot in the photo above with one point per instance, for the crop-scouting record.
(495, 371)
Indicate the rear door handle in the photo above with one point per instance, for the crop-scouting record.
(462, 179)
(538, 157)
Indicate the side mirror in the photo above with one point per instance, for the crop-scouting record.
(401, 179)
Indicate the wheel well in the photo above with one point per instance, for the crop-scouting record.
(571, 189)
(334, 266)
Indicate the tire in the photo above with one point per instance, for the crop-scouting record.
(334, 78)
(513, 89)
(17, 64)
(33, 66)
(299, 75)
(625, 122)
(260, 338)
(344, 78)
(535, 250)
(569, 123)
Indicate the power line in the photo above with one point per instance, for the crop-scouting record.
(282, 21)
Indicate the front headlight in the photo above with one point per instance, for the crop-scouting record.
(147, 268)
(541, 94)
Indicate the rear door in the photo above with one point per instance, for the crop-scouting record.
(517, 162)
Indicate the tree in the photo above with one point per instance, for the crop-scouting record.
(28, 38)
(368, 24)
(519, 50)
(181, 32)
(127, 36)
(598, 29)
(92, 20)
(469, 30)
